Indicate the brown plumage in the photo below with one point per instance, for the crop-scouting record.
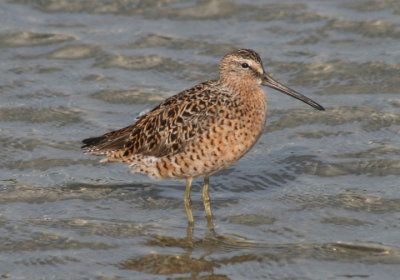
(199, 131)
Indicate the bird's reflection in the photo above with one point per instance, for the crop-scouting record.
(175, 264)
(181, 263)
(167, 264)
(189, 262)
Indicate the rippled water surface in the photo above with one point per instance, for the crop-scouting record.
(318, 197)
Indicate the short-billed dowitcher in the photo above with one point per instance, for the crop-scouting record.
(199, 131)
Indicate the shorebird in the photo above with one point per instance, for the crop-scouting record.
(198, 131)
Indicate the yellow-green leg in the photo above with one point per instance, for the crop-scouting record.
(206, 201)
(188, 201)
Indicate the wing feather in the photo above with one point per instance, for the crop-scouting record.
(165, 130)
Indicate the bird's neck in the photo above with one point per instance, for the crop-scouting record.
(242, 86)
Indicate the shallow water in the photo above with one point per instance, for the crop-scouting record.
(317, 198)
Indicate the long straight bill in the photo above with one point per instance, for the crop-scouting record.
(268, 81)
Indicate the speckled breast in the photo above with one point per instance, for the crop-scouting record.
(230, 135)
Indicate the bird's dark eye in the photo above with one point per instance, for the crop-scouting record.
(245, 65)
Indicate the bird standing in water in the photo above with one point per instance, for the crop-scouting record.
(199, 131)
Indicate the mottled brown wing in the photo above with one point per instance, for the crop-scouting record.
(165, 130)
